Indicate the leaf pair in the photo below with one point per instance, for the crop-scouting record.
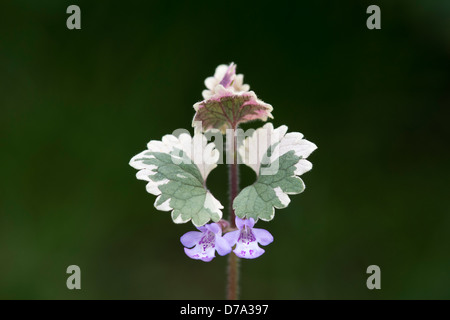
(176, 169)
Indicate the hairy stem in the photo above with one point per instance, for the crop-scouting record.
(233, 187)
(233, 277)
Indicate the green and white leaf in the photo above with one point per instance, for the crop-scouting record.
(176, 169)
(278, 158)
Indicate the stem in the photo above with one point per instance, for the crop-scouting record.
(234, 189)
(233, 277)
(233, 260)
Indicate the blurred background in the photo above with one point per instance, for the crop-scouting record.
(76, 105)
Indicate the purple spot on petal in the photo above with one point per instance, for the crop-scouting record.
(207, 241)
(246, 236)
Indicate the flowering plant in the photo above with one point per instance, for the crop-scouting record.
(177, 166)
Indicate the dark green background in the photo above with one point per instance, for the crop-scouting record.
(77, 105)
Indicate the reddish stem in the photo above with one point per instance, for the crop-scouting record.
(233, 261)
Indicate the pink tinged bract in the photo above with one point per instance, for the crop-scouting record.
(247, 239)
(202, 244)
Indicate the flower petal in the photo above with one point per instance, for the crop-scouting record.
(232, 237)
(222, 246)
(263, 236)
(248, 251)
(191, 238)
(240, 223)
(214, 228)
(249, 222)
(198, 254)
(247, 244)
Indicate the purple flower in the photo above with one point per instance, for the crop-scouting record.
(247, 239)
(205, 242)
(229, 76)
